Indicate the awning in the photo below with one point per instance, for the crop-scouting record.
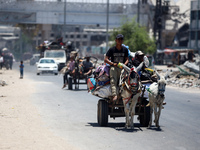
(10, 38)
(168, 50)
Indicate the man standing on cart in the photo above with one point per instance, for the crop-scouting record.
(115, 55)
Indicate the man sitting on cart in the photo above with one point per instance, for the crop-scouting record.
(117, 54)
(147, 77)
(145, 73)
(86, 67)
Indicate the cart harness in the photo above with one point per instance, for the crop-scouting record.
(132, 85)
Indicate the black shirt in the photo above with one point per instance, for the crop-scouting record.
(117, 55)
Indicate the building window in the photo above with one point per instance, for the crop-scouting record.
(66, 36)
(71, 36)
(193, 15)
(199, 14)
(39, 34)
(52, 34)
(78, 36)
(85, 36)
(192, 35)
(198, 35)
(77, 29)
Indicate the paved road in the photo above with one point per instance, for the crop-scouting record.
(72, 115)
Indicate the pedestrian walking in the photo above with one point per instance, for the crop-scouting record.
(21, 68)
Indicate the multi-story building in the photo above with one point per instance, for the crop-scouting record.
(194, 39)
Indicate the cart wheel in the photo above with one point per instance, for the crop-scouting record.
(102, 112)
(70, 83)
(144, 119)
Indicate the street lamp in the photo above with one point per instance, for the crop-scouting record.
(107, 23)
(64, 24)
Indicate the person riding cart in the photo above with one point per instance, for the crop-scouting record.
(70, 70)
(146, 75)
(117, 54)
(86, 67)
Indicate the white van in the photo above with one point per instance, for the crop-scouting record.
(58, 55)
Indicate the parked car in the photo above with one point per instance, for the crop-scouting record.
(47, 65)
(34, 59)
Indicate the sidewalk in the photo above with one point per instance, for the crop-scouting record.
(21, 127)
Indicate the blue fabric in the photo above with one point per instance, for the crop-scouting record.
(94, 83)
(127, 48)
(21, 73)
(139, 73)
(21, 67)
(101, 83)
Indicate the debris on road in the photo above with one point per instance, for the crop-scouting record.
(183, 76)
(2, 83)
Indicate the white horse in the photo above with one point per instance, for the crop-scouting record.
(156, 98)
(130, 87)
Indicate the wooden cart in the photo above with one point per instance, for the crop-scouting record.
(106, 107)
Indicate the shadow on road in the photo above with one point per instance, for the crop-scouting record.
(154, 128)
(76, 90)
(118, 126)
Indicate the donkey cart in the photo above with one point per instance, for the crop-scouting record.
(77, 76)
(106, 107)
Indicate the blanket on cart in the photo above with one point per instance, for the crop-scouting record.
(100, 84)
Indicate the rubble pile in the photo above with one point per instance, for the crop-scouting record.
(184, 81)
(179, 79)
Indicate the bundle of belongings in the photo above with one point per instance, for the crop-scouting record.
(100, 84)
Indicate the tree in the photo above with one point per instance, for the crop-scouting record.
(28, 31)
(136, 37)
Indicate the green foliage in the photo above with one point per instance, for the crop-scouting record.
(28, 31)
(136, 37)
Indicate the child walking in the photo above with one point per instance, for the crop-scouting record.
(21, 68)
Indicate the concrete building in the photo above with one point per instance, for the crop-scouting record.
(8, 36)
(194, 41)
(82, 21)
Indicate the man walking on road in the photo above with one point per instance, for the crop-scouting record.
(116, 54)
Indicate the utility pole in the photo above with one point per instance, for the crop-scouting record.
(107, 23)
(197, 20)
(138, 13)
(20, 41)
(64, 24)
(158, 23)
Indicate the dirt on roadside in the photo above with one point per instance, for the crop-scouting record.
(21, 127)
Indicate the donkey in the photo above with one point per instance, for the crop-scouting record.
(156, 98)
(130, 89)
